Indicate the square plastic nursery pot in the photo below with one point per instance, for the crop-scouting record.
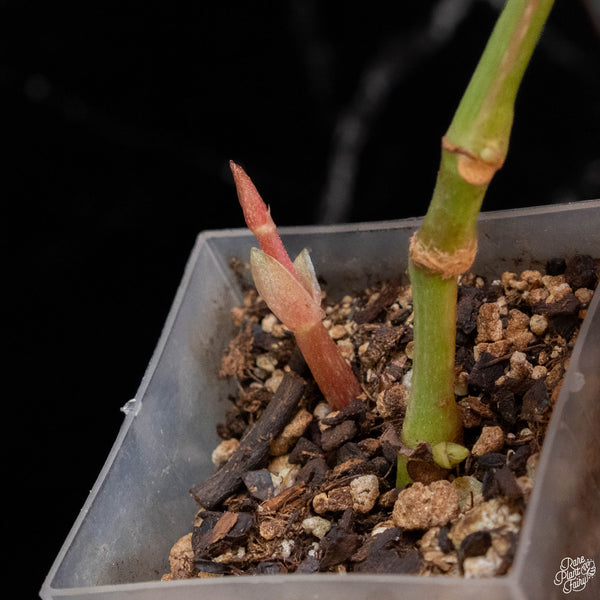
(140, 505)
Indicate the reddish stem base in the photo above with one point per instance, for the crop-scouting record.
(329, 368)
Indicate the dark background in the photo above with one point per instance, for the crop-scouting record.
(117, 130)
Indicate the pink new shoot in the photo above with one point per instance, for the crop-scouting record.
(293, 294)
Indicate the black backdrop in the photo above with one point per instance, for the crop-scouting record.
(117, 129)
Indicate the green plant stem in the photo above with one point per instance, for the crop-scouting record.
(451, 220)
(477, 139)
(473, 149)
(435, 416)
(484, 118)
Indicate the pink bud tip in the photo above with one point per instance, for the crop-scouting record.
(258, 218)
(255, 210)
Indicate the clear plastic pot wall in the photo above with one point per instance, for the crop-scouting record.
(139, 506)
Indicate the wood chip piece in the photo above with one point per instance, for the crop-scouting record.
(254, 446)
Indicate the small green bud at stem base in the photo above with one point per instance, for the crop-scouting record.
(402, 477)
(448, 454)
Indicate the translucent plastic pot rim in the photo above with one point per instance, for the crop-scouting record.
(139, 505)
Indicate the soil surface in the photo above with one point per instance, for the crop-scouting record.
(301, 489)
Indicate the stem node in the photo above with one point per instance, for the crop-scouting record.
(476, 170)
(445, 264)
